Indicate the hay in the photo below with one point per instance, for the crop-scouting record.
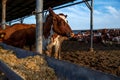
(29, 68)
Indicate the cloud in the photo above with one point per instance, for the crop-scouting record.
(101, 3)
(78, 16)
(106, 17)
(114, 12)
(96, 12)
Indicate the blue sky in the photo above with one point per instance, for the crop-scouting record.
(106, 15)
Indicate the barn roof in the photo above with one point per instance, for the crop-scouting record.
(19, 8)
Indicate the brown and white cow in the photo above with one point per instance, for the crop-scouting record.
(55, 31)
(15, 27)
(19, 35)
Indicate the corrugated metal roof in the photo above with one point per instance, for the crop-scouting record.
(20, 8)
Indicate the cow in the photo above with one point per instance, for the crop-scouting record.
(116, 39)
(115, 36)
(77, 37)
(55, 31)
(13, 28)
(22, 37)
(19, 35)
(109, 36)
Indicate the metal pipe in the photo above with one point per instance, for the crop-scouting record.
(21, 20)
(70, 5)
(10, 23)
(87, 4)
(3, 13)
(39, 26)
(91, 26)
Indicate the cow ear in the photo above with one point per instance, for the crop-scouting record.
(51, 12)
(65, 16)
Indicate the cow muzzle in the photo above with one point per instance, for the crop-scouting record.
(70, 35)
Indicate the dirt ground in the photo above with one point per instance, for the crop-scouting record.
(105, 58)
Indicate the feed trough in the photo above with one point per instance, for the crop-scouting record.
(64, 70)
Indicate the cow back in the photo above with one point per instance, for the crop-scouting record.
(14, 28)
(22, 37)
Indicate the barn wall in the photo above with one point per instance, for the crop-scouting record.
(66, 70)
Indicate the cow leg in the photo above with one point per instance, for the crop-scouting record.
(49, 49)
(58, 46)
(58, 50)
(60, 43)
(56, 54)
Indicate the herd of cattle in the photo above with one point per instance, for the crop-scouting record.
(55, 31)
(99, 36)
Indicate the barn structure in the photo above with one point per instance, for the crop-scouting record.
(14, 10)
(18, 10)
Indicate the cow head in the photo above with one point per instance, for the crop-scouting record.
(60, 26)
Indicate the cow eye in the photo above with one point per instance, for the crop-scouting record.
(54, 19)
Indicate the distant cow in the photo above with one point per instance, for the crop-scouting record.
(77, 37)
(55, 30)
(116, 39)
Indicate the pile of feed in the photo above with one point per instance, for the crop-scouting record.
(105, 58)
(29, 68)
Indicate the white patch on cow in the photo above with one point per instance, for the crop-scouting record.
(64, 18)
(116, 39)
(108, 35)
(48, 40)
(56, 41)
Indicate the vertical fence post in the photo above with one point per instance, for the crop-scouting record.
(39, 25)
(91, 26)
(3, 13)
(21, 20)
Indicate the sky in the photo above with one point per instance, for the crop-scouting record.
(106, 14)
